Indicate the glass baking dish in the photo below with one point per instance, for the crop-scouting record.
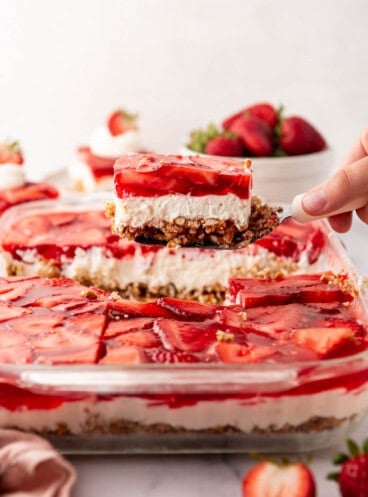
(194, 407)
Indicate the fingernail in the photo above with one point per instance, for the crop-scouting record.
(314, 201)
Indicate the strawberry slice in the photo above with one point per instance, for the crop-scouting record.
(10, 338)
(121, 121)
(188, 309)
(269, 479)
(129, 308)
(14, 291)
(8, 311)
(325, 342)
(10, 153)
(125, 354)
(18, 354)
(29, 192)
(231, 352)
(143, 339)
(36, 325)
(115, 328)
(163, 356)
(62, 346)
(188, 337)
(92, 323)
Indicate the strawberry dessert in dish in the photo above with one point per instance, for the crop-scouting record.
(72, 238)
(87, 368)
(188, 201)
(93, 169)
(14, 187)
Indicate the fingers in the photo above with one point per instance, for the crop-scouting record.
(359, 150)
(342, 222)
(346, 187)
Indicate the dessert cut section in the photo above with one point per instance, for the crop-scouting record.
(73, 239)
(188, 201)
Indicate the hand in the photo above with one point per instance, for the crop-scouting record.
(349, 183)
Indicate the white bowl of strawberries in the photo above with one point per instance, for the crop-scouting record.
(289, 155)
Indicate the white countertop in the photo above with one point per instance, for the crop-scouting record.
(196, 476)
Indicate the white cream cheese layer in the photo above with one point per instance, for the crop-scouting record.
(104, 144)
(138, 211)
(11, 176)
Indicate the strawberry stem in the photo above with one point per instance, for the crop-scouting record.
(333, 476)
(340, 458)
(353, 447)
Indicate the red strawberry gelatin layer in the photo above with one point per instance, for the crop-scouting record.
(149, 175)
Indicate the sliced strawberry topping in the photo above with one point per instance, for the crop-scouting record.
(125, 354)
(129, 308)
(93, 323)
(155, 175)
(237, 353)
(18, 354)
(36, 324)
(143, 339)
(325, 341)
(187, 309)
(291, 239)
(8, 311)
(307, 288)
(115, 328)
(27, 193)
(100, 167)
(14, 291)
(189, 337)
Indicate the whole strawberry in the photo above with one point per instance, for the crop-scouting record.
(256, 135)
(273, 479)
(264, 111)
(211, 141)
(10, 153)
(226, 146)
(121, 121)
(353, 476)
(298, 136)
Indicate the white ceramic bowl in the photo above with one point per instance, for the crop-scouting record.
(281, 178)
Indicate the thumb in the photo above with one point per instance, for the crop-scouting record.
(346, 187)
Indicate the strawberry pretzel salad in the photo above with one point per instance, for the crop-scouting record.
(273, 354)
(188, 201)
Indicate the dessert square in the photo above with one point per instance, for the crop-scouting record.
(187, 201)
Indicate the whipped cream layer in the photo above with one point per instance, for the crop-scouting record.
(84, 180)
(246, 415)
(104, 144)
(140, 211)
(11, 176)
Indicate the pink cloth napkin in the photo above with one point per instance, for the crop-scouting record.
(31, 467)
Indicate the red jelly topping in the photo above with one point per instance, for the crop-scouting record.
(27, 193)
(151, 175)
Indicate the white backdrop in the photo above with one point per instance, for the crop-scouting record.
(179, 63)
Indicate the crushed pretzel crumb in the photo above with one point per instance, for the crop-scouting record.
(89, 293)
(243, 315)
(342, 281)
(224, 336)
